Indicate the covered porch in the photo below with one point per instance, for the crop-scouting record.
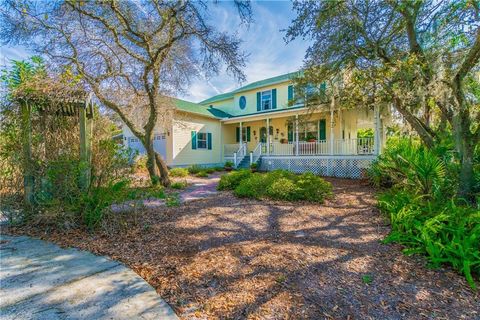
(296, 133)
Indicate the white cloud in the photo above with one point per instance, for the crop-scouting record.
(12, 53)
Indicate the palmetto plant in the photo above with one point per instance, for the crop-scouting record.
(409, 165)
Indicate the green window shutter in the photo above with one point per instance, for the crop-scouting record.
(194, 140)
(248, 134)
(238, 134)
(274, 98)
(209, 141)
(290, 93)
(322, 127)
(259, 100)
(290, 133)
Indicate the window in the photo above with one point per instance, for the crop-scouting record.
(133, 140)
(242, 102)
(266, 102)
(309, 131)
(159, 136)
(201, 140)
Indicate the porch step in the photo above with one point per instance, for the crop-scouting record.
(245, 163)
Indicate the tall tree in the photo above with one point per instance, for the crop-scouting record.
(420, 56)
(131, 54)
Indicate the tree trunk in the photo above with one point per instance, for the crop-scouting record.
(162, 167)
(466, 171)
(151, 166)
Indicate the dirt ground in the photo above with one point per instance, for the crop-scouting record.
(230, 258)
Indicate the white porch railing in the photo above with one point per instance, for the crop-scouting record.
(235, 153)
(360, 146)
(256, 153)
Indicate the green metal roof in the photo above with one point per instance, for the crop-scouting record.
(267, 82)
(219, 97)
(253, 85)
(192, 107)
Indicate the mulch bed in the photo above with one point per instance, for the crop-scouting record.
(230, 258)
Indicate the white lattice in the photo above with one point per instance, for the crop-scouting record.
(331, 166)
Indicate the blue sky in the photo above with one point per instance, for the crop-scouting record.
(269, 56)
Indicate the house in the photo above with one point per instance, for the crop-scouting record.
(260, 123)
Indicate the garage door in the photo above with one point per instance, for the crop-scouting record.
(160, 144)
(135, 144)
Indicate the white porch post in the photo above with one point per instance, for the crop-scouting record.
(376, 137)
(332, 139)
(241, 134)
(268, 136)
(296, 134)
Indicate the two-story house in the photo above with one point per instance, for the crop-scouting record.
(258, 123)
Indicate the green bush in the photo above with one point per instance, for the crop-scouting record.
(202, 174)
(442, 230)
(179, 185)
(252, 187)
(231, 180)
(282, 189)
(178, 172)
(195, 169)
(312, 188)
(407, 164)
(219, 169)
(209, 170)
(278, 184)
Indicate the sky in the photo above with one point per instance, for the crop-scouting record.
(268, 54)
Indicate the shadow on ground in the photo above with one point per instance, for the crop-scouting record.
(224, 257)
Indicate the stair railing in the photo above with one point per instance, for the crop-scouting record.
(256, 153)
(239, 154)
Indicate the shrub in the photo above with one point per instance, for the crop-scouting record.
(442, 230)
(254, 166)
(310, 187)
(231, 180)
(178, 172)
(209, 170)
(195, 169)
(407, 164)
(219, 168)
(252, 187)
(179, 185)
(140, 164)
(282, 189)
(229, 164)
(202, 174)
(278, 184)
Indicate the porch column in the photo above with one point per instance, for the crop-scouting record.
(241, 134)
(332, 124)
(376, 137)
(296, 134)
(268, 136)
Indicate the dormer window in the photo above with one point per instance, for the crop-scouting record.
(266, 100)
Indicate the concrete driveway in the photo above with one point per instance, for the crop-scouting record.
(39, 280)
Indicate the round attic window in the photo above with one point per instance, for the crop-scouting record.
(242, 102)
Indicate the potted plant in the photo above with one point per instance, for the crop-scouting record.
(254, 167)
(311, 138)
(283, 141)
(228, 166)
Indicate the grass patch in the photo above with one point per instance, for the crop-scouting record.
(178, 172)
(179, 185)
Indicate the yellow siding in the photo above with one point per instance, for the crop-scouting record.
(183, 154)
(347, 120)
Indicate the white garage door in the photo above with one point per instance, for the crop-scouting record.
(135, 144)
(160, 144)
